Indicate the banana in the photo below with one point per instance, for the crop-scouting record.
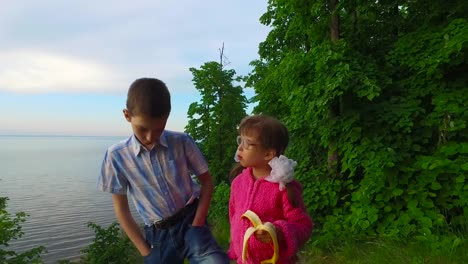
(258, 225)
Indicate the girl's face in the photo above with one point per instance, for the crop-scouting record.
(250, 151)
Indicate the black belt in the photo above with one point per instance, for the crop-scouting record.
(174, 219)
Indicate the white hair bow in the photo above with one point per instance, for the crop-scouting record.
(282, 171)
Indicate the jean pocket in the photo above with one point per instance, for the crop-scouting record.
(200, 239)
(152, 257)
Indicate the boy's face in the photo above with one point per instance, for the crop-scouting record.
(147, 129)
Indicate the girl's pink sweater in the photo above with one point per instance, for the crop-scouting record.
(271, 205)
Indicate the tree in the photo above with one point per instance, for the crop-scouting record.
(382, 85)
(213, 121)
(10, 228)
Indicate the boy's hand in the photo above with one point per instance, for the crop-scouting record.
(145, 251)
(263, 236)
(198, 223)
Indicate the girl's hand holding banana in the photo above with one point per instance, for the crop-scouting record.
(263, 236)
(264, 232)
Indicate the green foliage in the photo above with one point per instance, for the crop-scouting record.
(109, 245)
(213, 121)
(389, 98)
(219, 207)
(218, 214)
(10, 229)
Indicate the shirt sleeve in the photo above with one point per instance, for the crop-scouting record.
(111, 180)
(297, 226)
(195, 159)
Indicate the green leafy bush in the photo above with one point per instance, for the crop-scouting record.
(110, 245)
(10, 229)
(218, 214)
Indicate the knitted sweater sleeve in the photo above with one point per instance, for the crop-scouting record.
(231, 253)
(297, 226)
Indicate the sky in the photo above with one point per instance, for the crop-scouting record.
(65, 66)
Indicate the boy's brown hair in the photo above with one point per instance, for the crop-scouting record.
(149, 96)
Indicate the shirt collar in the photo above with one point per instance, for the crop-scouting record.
(138, 147)
(163, 139)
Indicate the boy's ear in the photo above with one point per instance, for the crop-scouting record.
(127, 115)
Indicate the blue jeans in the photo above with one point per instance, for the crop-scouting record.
(174, 244)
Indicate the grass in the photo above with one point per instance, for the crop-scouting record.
(364, 252)
(391, 252)
(368, 252)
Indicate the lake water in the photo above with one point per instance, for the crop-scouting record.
(53, 179)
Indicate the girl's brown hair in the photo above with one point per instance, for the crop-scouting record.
(272, 134)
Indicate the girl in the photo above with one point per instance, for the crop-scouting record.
(264, 184)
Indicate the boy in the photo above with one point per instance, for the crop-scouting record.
(155, 165)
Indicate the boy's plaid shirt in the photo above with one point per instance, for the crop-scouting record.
(159, 180)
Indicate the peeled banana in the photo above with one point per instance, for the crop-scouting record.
(258, 225)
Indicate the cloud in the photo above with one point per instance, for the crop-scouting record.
(32, 71)
(56, 46)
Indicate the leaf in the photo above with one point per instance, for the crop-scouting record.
(435, 186)
(460, 179)
(387, 208)
(434, 165)
(464, 166)
(412, 204)
(364, 224)
(397, 192)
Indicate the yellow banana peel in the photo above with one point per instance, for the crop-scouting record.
(258, 225)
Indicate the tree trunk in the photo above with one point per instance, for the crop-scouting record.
(334, 111)
(335, 22)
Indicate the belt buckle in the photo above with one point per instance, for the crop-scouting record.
(160, 223)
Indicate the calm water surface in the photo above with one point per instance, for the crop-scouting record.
(53, 179)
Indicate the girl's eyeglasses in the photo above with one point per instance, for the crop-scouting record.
(244, 143)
